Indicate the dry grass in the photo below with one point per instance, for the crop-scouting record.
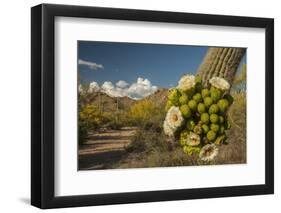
(235, 151)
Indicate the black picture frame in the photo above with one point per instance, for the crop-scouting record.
(43, 117)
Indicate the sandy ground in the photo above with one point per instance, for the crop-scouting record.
(104, 148)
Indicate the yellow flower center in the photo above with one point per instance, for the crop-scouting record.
(175, 117)
(209, 151)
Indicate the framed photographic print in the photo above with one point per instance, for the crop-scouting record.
(139, 106)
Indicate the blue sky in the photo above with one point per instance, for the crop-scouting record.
(162, 65)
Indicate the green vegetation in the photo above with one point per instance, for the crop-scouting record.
(185, 110)
(201, 108)
(145, 113)
(183, 99)
(211, 135)
(204, 122)
(205, 118)
(89, 119)
(173, 96)
(192, 105)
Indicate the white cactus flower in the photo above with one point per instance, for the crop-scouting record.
(219, 83)
(192, 139)
(208, 152)
(186, 82)
(174, 118)
(168, 130)
(172, 121)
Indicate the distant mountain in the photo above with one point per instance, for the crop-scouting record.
(159, 97)
(111, 104)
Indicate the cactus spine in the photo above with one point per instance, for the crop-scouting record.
(221, 62)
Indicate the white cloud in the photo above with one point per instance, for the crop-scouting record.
(137, 90)
(122, 84)
(80, 88)
(93, 87)
(141, 89)
(91, 65)
(107, 85)
(109, 88)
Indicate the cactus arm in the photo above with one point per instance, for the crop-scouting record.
(221, 62)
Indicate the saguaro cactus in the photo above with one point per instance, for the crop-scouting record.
(220, 62)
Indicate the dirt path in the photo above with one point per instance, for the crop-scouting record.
(104, 148)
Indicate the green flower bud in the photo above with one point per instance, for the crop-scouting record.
(189, 92)
(208, 101)
(173, 93)
(211, 135)
(198, 85)
(220, 139)
(190, 124)
(205, 128)
(214, 89)
(222, 130)
(215, 94)
(173, 96)
(214, 118)
(169, 104)
(192, 105)
(183, 99)
(215, 127)
(183, 137)
(185, 111)
(229, 98)
(197, 97)
(205, 118)
(205, 93)
(189, 150)
(223, 105)
(221, 119)
(182, 92)
(214, 109)
(197, 129)
(201, 108)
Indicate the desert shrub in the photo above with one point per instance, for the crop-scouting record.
(82, 133)
(149, 141)
(150, 137)
(89, 119)
(112, 121)
(145, 113)
(90, 115)
(115, 120)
